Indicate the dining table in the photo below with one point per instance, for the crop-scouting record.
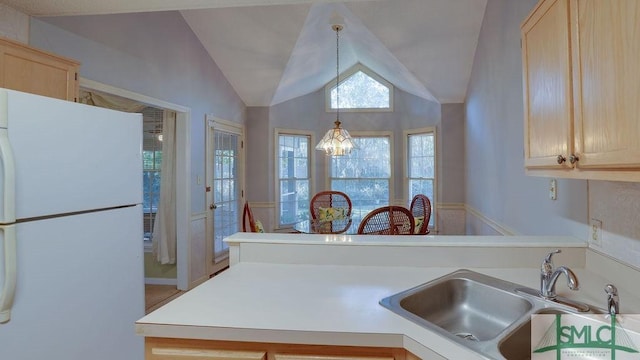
(336, 226)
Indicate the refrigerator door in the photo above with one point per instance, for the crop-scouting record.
(70, 157)
(80, 288)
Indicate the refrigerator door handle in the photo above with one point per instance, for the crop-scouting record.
(8, 195)
(10, 272)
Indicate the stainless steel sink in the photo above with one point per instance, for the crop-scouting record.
(466, 304)
(488, 315)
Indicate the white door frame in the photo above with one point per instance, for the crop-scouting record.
(212, 123)
(183, 166)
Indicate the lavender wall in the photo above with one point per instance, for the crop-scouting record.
(495, 182)
(452, 147)
(154, 54)
(14, 24)
(496, 185)
(157, 55)
(308, 113)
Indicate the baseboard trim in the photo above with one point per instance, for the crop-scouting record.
(160, 281)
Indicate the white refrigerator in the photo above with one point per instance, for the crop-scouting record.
(71, 248)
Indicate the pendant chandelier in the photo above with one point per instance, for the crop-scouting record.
(337, 141)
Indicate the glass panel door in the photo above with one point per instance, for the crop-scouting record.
(224, 189)
(226, 194)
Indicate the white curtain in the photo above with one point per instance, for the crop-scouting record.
(164, 227)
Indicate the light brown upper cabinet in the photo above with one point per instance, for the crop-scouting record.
(581, 82)
(27, 69)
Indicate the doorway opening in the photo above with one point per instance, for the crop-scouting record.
(155, 114)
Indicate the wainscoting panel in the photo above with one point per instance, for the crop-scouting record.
(198, 250)
(451, 219)
(266, 213)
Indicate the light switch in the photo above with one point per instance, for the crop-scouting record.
(553, 189)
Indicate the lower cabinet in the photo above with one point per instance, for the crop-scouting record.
(188, 349)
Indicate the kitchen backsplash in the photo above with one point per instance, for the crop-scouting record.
(617, 205)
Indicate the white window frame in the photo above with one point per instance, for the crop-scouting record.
(346, 75)
(311, 159)
(356, 134)
(434, 199)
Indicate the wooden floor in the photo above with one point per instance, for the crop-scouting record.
(157, 295)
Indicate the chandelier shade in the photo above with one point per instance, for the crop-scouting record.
(337, 141)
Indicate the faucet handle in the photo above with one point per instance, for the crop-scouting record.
(550, 254)
(547, 264)
(613, 300)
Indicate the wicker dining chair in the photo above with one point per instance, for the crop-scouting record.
(249, 223)
(421, 210)
(388, 220)
(327, 206)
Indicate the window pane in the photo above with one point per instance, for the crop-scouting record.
(151, 164)
(294, 178)
(421, 167)
(293, 206)
(370, 160)
(361, 91)
(364, 175)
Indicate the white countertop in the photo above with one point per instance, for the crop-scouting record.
(407, 240)
(332, 304)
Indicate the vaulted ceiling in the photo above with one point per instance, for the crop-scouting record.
(275, 50)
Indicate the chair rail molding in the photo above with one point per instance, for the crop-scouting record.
(499, 228)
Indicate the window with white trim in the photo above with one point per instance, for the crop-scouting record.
(421, 161)
(294, 177)
(360, 89)
(365, 174)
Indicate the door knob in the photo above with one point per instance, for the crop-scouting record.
(213, 206)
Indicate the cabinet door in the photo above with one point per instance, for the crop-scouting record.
(30, 70)
(546, 60)
(606, 52)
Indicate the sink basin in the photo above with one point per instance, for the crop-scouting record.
(464, 305)
(517, 344)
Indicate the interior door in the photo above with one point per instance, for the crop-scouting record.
(224, 189)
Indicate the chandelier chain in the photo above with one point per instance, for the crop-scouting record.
(337, 74)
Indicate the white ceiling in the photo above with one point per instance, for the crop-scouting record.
(275, 50)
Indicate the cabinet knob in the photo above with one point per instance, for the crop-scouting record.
(573, 159)
(213, 206)
(560, 159)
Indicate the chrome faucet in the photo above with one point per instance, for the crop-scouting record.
(549, 276)
(613, 301)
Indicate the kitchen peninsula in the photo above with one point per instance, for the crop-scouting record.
(292, 296)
